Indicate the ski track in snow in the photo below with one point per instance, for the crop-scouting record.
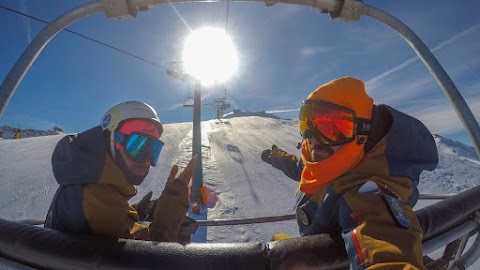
(237, 144)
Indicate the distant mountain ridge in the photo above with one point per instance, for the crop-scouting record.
(240, 113)
(458, 168)
(458, 148)
(8, 132)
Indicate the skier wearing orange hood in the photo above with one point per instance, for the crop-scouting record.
(358, 174)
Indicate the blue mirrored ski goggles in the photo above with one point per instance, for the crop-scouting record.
(140, 147)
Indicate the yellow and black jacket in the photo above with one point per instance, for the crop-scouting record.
(93, 194)
(371, 204)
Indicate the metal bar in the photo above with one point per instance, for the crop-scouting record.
(435, 196)
(460, 247)
(325, 6)
(432, 64)
(13, 265)
(471, 256)
(18, 71)
(449, 236)
(208, 222)
(473, 253)
(240, 221)
(31, 221)
(197, 179)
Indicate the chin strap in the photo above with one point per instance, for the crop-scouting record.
(299, 145)
(113, 152)
(363, 126)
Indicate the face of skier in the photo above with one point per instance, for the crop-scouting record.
(136, 168)
(319, 151)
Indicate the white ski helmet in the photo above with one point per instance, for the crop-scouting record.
(128, 110)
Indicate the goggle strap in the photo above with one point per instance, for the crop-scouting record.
(364, 126)
(119, 138)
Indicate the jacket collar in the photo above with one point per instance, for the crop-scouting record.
(112, 175)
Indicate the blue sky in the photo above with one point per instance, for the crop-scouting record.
(285, 52)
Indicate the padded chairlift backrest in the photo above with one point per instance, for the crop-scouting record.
(49, 249)
(443, 215)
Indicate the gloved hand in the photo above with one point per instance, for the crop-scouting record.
(189, 227)
(145, 207)
(151, 209)
(268, 153)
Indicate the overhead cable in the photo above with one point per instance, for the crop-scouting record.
(85, 37)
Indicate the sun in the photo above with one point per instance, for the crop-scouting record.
(209, 55)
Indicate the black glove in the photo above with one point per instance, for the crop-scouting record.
(189, 227)
(151, 210)
(145, 207)
(268, 153)
(267, 156)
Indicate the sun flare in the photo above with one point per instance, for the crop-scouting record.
(209, 55)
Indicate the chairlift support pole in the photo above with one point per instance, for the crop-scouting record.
(197, 179)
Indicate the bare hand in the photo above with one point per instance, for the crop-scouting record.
(187, 173)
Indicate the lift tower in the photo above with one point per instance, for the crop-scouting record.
(222, 104)
(197, 179)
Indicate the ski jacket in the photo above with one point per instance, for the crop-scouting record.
(93, 194)
(371, 204)
(396, 154)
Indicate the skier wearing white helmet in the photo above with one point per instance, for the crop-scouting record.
(98, 169)
(127, 115)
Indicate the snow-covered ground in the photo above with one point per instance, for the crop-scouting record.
(244, 186)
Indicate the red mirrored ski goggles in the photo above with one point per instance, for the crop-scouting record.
(331, 124)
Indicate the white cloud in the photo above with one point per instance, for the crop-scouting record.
(440, 117)
(434, 110)
(405, 90)
(456, 37)
(373, 83)
(180, 16)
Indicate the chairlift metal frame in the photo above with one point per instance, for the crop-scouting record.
(455, 239)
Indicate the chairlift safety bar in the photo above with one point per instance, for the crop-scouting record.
(240, 221)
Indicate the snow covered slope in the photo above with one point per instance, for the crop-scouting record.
(244, 186)
(458, 169)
